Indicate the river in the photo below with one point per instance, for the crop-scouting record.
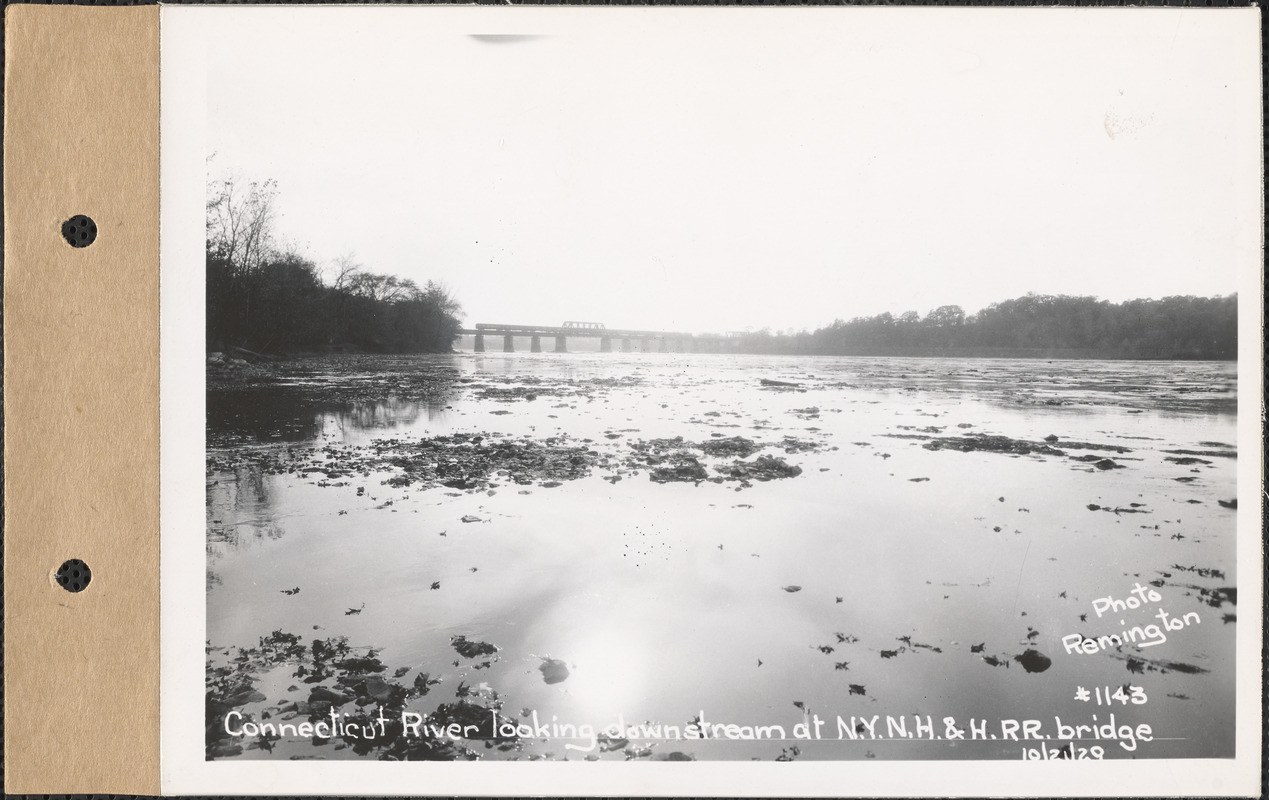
(912, 547)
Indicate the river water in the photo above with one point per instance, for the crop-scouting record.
(894, 576)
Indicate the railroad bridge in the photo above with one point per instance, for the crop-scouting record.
(647, 341)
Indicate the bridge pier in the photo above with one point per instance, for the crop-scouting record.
(642, 341)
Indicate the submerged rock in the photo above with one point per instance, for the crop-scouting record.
(991, 444)
(731, 447)
(1034, 661)
(685, 468)
(246, 696)
(553, 670)
(321, 694)
(423, 683)
(763, 468)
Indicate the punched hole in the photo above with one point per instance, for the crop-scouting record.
(73, 576)
(79, 231)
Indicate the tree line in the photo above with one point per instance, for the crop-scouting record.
(269, 298)
(1053, 326)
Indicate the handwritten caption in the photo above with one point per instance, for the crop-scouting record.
(586, 737)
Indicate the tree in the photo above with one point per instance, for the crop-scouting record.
(945, 317)
(240, 222)
(239, 240)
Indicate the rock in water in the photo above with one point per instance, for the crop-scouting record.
(322, 694)
(553, 670)
(246, 696)
(423, 683)
(1034, 661)
(468, 648)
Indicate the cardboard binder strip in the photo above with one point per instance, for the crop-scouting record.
(81, 400)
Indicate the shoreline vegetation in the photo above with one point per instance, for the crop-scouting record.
(1032, 326)
(266, 299)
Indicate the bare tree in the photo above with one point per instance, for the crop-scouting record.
(240, 234)
(240, 222)
(344, 269)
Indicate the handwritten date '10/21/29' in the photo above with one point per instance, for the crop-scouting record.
(1067, 752)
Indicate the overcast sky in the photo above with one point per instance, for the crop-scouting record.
(717, 169)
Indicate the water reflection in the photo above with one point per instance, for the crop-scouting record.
(668, 600)
(385, 415)
(289, 414)
(240, 510)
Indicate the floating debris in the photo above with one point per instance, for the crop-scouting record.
(1133, 508)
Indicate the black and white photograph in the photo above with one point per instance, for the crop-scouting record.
(836, 386)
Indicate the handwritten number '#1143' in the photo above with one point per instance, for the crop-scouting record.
(1105, 697)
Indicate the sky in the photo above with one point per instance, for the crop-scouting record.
(722, 170)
